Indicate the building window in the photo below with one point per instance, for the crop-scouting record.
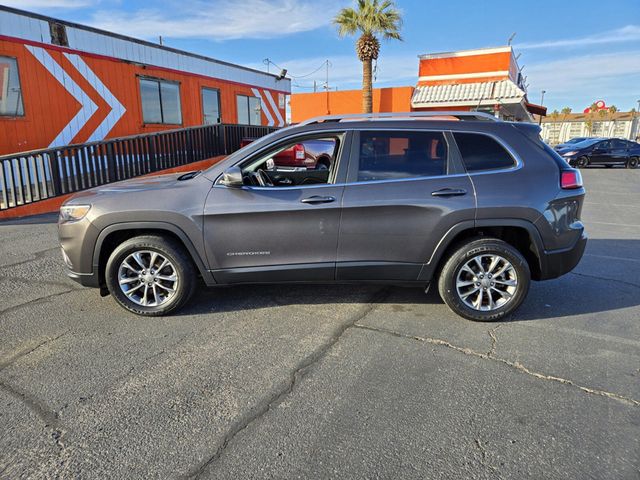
(575, 129)
(480, 152)
(210, 106)
(620, 129)
(249, 110)
(10, 92)
(160, 101)
(397, 155)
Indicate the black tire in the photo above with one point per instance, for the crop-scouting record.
(466, 252)
(582, 162)
(322, 165)
(170, 249)
(633, 162)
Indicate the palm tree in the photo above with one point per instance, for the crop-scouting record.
(372, 18)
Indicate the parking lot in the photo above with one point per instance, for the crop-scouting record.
(326, 381)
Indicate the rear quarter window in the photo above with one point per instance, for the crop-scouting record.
(481, 152)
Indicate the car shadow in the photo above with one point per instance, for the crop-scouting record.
(41, 219)
(596, 285)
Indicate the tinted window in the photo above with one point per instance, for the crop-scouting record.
(10, 93)
(618, 143)
(160, 101)
(395, 155)
(480, 152)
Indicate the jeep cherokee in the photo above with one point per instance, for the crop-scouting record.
(476, 205)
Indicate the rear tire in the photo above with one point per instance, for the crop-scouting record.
(150, 275)
(477, 289)
(582, 162)
(633, 162)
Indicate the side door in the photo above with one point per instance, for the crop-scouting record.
(618, 152)
(405, 189)
(286, 231)
(601, 153)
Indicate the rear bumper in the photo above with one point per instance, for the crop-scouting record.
(558, 262)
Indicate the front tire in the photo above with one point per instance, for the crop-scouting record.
(633, 162)
(484, 280)
(150, 275)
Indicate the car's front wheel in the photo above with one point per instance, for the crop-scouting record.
(150, 275)
(633, 162)
(484, 280)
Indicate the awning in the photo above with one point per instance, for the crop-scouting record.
(536, 109)
(476, 93)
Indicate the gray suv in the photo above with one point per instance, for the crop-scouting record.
(477, 205)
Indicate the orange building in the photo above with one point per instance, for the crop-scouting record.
(63, 83)
(486, 79)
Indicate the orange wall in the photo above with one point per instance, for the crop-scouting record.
(308, 105)
(49, 107)
(491, 62)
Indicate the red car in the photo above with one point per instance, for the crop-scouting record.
(310, 155)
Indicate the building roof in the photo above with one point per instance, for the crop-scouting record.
(33, 27)
(466, 53)
(478, 93)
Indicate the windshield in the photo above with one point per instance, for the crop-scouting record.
(586, 143)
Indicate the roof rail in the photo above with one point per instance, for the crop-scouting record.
(400, 116)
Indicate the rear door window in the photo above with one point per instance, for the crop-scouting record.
(397, 155)
(481, 152)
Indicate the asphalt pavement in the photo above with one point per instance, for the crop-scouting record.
(326, 381)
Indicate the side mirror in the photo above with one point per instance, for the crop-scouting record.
(232, 177)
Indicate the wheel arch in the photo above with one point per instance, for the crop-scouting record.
(113, 235)
(520, 234)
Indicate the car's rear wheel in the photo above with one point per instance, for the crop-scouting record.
(484, 280)
(150, 275)
(633, 162)
(582, 162)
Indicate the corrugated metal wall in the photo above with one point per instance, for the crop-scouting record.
(90, 89)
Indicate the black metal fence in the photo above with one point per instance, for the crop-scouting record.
(40, 174)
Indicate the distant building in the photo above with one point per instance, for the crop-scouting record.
(63, 83)
(562, 127)
(486, 79)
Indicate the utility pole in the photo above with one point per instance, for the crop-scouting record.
(326, 85)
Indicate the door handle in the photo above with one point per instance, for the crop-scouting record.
(318, 199)
(449, 192)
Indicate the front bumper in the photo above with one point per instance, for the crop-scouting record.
(556, 263)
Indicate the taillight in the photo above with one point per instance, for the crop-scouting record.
(570, 179)
(299, 152)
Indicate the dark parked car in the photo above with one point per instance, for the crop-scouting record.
(475, 205)
(602, 151)
(568, 143)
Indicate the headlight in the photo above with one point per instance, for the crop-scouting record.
(569, 154)
(73, 213)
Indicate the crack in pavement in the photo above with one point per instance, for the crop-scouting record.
(300, 370)
(607, 279)
(36, 256)
(484, 455)
(494, 340)
(28, 280)
(40, 409)
(515, 365)
(37, 301)
(7, 362)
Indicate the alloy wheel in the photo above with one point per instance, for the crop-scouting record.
(486, 282)
(147, 278)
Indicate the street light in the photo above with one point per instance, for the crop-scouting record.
(541, 104)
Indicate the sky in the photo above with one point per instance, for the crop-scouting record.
(578, 51)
